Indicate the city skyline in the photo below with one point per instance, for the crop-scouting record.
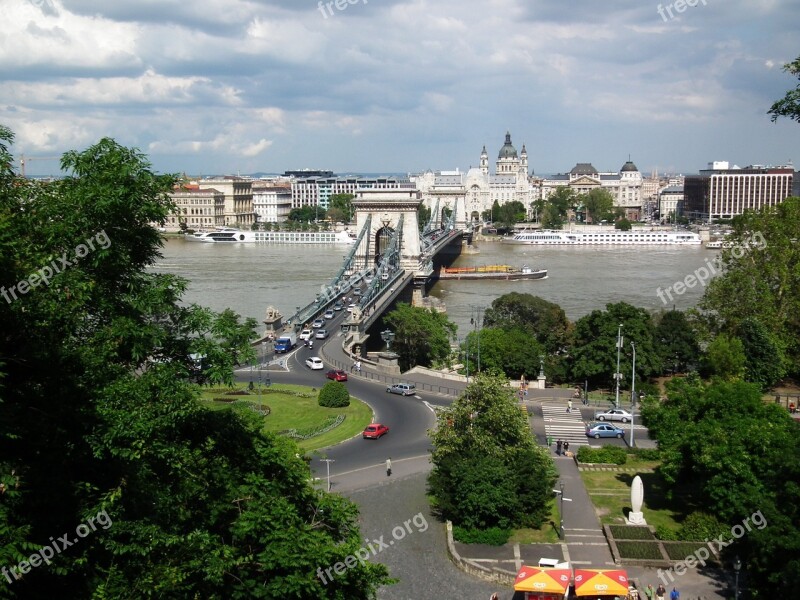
(388, 86)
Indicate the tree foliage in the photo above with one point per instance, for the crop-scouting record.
(509, 214)
(595, 352)
(555, 209)
(97, 413)
(488, 471)
(765, 362)
(509, 351)
(789, 105)
(739, 454)
(306, 214)
(760, 277)
(422, 335)
(676, 342)
(343, 205)
(599, 205)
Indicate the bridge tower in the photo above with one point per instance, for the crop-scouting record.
(387, 206)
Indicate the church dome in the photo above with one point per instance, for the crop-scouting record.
(507, 151)
(629, 167)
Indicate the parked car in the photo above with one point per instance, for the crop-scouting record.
(599, 430)
(315, 363)
(375, 430)
(329, 314)
(306, 334)
(404, 389)
(336, 375)
(615, 414)
(318, 323)
(321, 334)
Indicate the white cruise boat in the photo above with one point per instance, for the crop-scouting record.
(229, 235)
(617, 238)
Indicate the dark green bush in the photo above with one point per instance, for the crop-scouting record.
(334, 394)
(701, 526)
(629, 532)
(666, 534)
(639, 550)
(494, 536)
(606, 454)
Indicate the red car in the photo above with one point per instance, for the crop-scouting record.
(336, 375)
(375, 430)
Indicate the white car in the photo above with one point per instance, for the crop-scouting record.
(321, 334)
(350, 307)
(318, 323)
(306, 334)
(329, 314)
(315, 363)
(615, 414)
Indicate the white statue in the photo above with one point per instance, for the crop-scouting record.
(637, 498)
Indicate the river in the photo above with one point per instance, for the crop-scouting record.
(250, 277)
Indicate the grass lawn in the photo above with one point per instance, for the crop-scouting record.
(547, 534)
(294, 412)
(611, 494)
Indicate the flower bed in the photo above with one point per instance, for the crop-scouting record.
(631, 532)
(639, 550)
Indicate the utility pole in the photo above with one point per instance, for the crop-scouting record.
(328, 462)
(617, 374)
(633, 391)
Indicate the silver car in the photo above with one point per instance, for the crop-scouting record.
(404, 389)
(615, 414)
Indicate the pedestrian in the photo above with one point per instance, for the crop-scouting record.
(566, 447)
(389, 467)
(649, 593)
(558, 447)
(494, 597)
(549, 440)
(675, 594)
(358, 366)
(660, 592)
(569, 405)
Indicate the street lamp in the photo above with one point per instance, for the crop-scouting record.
(263, 352)
(388, 336)
(560, 492)
(328, 462)
(475, 321)
(617, 374)
(633, 390)
(737, 566)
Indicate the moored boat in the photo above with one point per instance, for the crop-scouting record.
(492, 272)
(229, 234)
(626, 238)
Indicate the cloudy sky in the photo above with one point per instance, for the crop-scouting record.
(220, 86)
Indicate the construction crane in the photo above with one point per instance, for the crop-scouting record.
(23, 160)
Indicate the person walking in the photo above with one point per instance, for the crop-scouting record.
(566, 447)
(649, 592)
(660, 592)
(558, 447)
(675, 594)
(389, 467)
(569, 405)
(358, 367)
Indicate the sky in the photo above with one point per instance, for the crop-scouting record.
(394, 86)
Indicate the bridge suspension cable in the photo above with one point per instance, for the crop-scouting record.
(389, 265)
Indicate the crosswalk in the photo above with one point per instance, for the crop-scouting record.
(560, 424)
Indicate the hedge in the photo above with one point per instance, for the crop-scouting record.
(494, 536)
(334, 394)
(606, 455)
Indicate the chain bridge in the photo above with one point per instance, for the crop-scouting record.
(391, 253)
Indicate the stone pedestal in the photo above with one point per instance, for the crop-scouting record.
(636, 518)
(273, 322)
(388, 362)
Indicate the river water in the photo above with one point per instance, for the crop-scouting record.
(250, 277)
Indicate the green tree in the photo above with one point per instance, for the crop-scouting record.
(623, 224)
(760, 275)
(545, 321)
(509, 351)
(789, 105)
(595, 350)
(423, 216)
(340, 207)
(482, 439)
(509, 214)
(726, 452)
(557, 207)
(676, 342)
(334, 394)
(765, 362)
(725, 358)
(306, 214)
(422, 335)
(599, 205)
(98, 416)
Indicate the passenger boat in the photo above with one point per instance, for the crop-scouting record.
(492, 272)
(231, 235)
(626, 238)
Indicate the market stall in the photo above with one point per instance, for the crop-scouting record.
(601, 583)
(543, 584)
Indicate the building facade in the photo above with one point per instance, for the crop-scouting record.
(272, 201)
(238, 192)
(722, 192)
(670, 203)
(317, 191)
(197, 208)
